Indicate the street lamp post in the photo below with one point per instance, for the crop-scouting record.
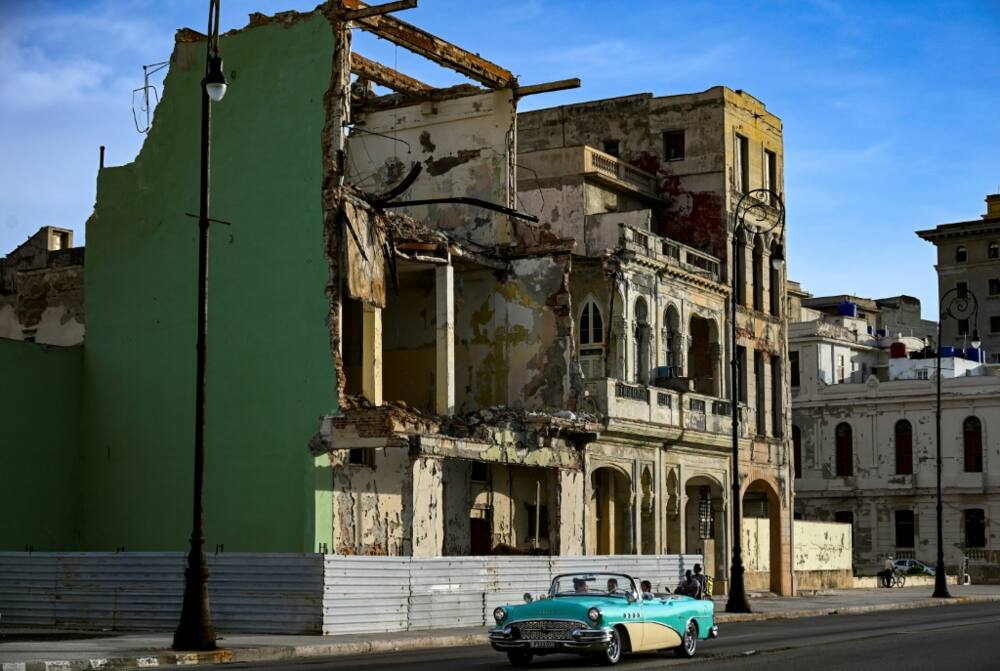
(956, 303)
(195, 630)
(737, 602)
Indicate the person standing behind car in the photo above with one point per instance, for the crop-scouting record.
(702, 580)
(689, 586)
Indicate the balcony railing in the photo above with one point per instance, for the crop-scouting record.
(606, 165)
(637, 402)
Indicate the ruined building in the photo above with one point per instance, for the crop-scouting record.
(495, 332)
(561, 386)
(41, 289)
(863, 433)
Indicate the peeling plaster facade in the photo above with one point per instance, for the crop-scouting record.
(558, 387)
(41, 290)
(865, 449)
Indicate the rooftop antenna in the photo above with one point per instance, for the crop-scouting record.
(144, 116)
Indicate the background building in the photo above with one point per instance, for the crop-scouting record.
(863, 433)
(968, 257)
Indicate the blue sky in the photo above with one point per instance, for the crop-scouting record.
(891, 109)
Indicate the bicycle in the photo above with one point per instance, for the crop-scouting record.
(896, 579)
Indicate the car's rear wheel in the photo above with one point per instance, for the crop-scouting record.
(519, 657)
(613, 652)
(689, 644)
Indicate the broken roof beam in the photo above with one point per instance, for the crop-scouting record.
(433, 48)
(373, 10)
(560, 85)
(386, 76)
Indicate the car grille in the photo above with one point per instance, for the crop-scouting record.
(547, 630)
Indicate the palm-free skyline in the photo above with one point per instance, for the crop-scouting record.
(889, 109)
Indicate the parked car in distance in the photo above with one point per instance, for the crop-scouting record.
(912, 567)
(600, 614)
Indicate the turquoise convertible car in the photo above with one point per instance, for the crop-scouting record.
(600, 614)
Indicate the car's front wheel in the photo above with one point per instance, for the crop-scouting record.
(613, 653)
(519, 657)
(689, 644)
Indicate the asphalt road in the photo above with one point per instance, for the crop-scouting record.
(952, 638)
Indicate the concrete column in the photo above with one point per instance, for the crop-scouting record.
(427, 522)
(571, 512)
(371, 354)
(444, 281)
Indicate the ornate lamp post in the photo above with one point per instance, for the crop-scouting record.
(195, 631)
(749, 203)
(957, 304)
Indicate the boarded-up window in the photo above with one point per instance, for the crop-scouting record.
(845, 450)
(904, 447)
(591, 341)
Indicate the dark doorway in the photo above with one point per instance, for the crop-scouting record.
(480, 529)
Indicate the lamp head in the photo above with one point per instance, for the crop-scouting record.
(976, 342)
(778, 257)
(215, 80)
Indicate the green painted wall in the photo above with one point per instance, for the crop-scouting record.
(270, 372)
(39, 441)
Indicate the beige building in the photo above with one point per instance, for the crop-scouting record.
(41, 289)
(968, 256)
(863, 431)
(560, 387)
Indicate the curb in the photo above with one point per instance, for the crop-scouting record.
(724, 618)
(278, 653)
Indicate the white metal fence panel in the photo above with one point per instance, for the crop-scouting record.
(447, 592)
(365, 594)
(252, 593)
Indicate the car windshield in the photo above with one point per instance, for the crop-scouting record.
(594, 584)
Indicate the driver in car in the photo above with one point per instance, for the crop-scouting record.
(613, 586)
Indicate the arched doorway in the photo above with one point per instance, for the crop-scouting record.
(611, 519)
(762, 534)
(640, 342)
(647, 513)
(672, 355)
(705, 523)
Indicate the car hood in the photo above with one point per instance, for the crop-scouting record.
(562, 608)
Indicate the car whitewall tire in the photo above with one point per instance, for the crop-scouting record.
(689, 643)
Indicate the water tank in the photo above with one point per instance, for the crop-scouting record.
(947, 351)
(662, 372)
(847, 309)
(897, 350)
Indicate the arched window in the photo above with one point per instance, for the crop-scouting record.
(797, 451)
(672, 341)
(972, 439)
(845, 450)
(591, 341)
(993, 251)
(904, 447)
(961, 255)
(640, 342)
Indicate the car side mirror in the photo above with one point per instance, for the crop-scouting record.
(630, 597)
(527, 597)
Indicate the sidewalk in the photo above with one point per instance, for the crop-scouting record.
(31, 649)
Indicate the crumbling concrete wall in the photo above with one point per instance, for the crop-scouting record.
(409, 341)
(463, 145)
(48, 307)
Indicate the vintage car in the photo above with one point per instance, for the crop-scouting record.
(600, 614)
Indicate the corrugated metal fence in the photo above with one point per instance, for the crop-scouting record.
(378, 594)
(291, 593)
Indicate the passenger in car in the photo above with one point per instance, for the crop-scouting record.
(646, 588)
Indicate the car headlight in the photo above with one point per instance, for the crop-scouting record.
(594, 614)
(499, 614)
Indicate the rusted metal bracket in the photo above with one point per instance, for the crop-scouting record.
(432, 47)
(386, 76)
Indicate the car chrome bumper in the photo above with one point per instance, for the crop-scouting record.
(581, 641)
(713, 632)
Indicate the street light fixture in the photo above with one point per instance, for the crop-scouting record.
(956, 303)
(757, 202)
(195, 630)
